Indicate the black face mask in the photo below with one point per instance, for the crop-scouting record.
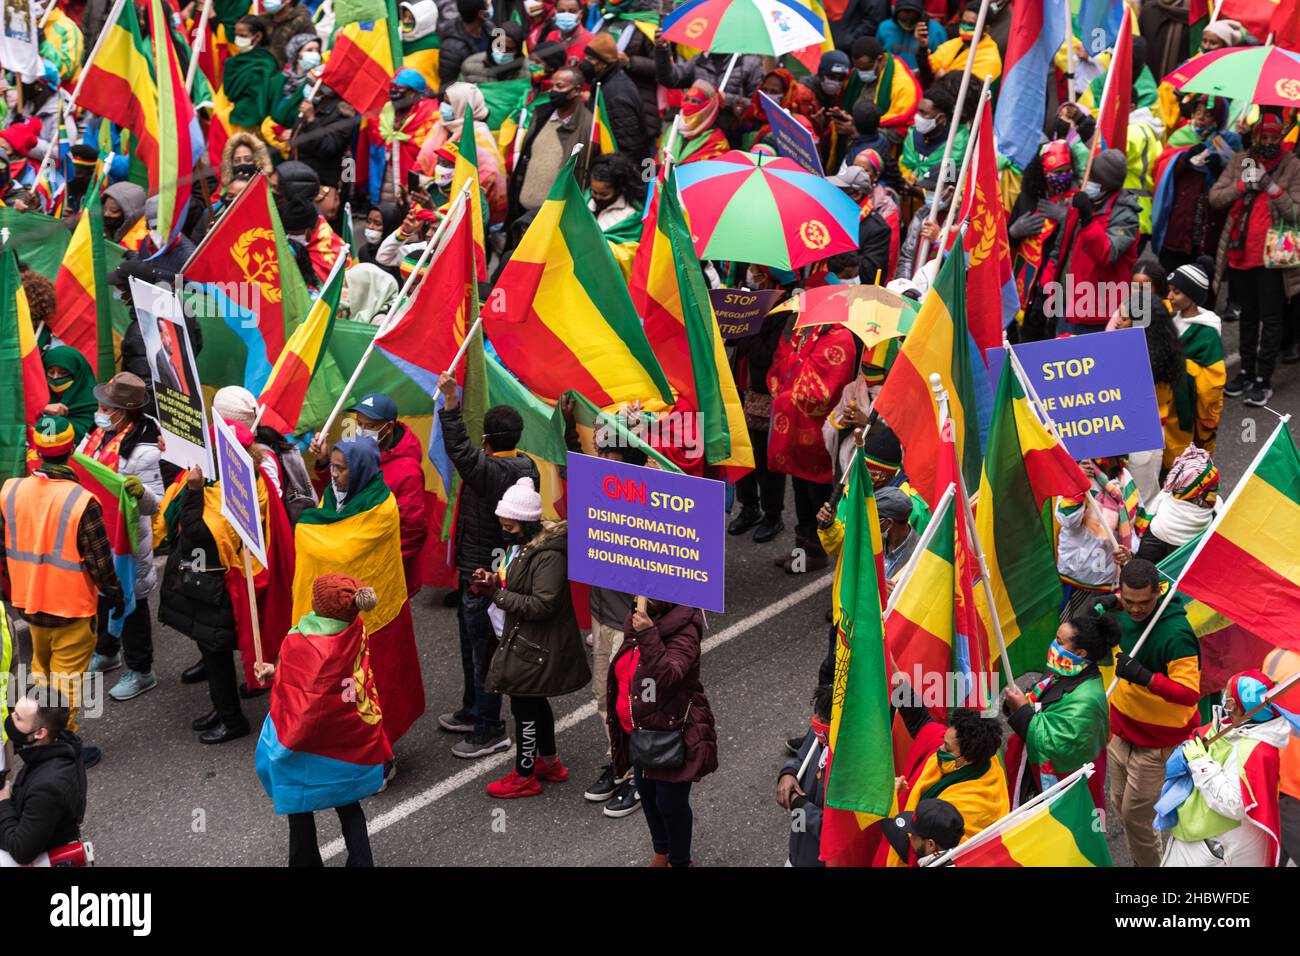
(560, 98)
(244, 170)
(603, 204)
(1062, 129)
(588, 70)
(512, 539)
(20, 739)
(113, 223)
(1268, 151)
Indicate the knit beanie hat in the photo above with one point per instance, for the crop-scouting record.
(1110, 168)
(604, 47)
(53, 437)
(341, 597)
(235, 403)
(1193, 279)
(521, 502)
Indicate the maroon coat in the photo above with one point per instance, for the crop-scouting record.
(403, 469)
(670, 657)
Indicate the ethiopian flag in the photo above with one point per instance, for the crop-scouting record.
(1247, 566)
(286, 387)
(466, 171)
(670, 294)
(363, 538)
(860, 773)
(361, 63)
(602, 134)
(560, 316)
(1063, 831)
(939, 342)
(121, 521)
(1024, 466)
(180, 139)
(20, 368)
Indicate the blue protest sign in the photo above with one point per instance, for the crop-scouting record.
(646, 531)
(239, 490)
(1097, 388)
(792, 140)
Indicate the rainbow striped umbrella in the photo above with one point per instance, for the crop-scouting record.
(771, 27)
(746, 207)
(1267, 75)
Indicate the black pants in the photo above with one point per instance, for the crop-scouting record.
(136, 642)
(761, 489)
(809, 496)
(303, 850)
(667, 808)
(1289, 808)
(534, 732)
(1262, 300)
(223, 686)
(826, 671)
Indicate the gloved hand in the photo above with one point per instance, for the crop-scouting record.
(1030, 224)
(1195, 749)
(1083, 203)
(1055, 211)
(133, 486)
(1132, 670)
(1252, 175)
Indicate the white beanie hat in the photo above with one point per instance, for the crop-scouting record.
(235, 403)
(521, 502)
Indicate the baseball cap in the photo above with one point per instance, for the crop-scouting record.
(377, 406)
(935, 820)
(855, 177)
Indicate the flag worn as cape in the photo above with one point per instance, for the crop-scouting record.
(121, 521)
(21, 367)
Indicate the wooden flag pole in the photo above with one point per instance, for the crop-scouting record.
(200, 44)
(961, 185)
(252, 608)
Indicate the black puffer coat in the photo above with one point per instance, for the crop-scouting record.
(205, 614)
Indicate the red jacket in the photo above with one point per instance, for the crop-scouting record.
(1101, 260)
(403, 469)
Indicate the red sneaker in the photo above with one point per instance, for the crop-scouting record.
(554, 772)
(512, 785)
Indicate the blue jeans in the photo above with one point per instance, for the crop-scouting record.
(476, 645)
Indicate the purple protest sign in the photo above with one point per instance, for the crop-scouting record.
(239, 489)
(645, 531)
(793, 141)
(740, 312)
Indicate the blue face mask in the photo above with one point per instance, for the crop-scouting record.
(447, 111)
(502, 58)
(308, 61)
(566, 22)
(272, 6)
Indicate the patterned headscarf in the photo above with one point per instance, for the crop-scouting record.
(1192, 473)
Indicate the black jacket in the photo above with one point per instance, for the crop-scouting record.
(805, 840)
(640, 52)
(458, 46)
(323, 142)
(484, 479)
(873, 248)
(626, 112)
(47, 802)
(861, 19)
(205, 612)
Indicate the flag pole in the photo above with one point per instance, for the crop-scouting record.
(922, 545)
(387, 321)
(945, 165)
(941, 396)
(1095, 146)
(200, 43)
(1205, 537)
(1000, 825)
(1069, 53)
(252, 607)
(1277, 691)
(859, 439)
(474, 327)
(111, 19)
(961, 184)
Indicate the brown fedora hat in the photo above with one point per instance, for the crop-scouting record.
(123, 390)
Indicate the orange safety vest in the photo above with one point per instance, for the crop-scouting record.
(45, 568)
(1279, 665)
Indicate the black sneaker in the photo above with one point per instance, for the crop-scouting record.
(625, 801)
(793, 744)
(480, 745)
(767, 529)
(1291, 354)
(90, 756)
(1259, 394)
(458, 722)
(604, 786)
(1239, 385)
(744, 521)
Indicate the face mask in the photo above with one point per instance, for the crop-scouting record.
(339, 496)
(373, 235)
(821, 730)
(20, 739)
(104, 421)
(867, 76)
(442, 176)
(588, 70)
(490, 12)
(1092, 191)
(856, 280)
(502, 58)
(599, 205)
(1058, 181)
(560, 98)
(966, 32)
(1064, 663)
(272, 6)
(907, 27)
(399, 96)
(243, 44)
(308, 61)
(244, 170)
(1268, 151)
(566, 22)
(832, 86)
(512, 538)
(407, 29)
(946, 760)
(375, 433)
(447, 112)
(59, 385)
(1204, 132)
(112, 223)
(925, 125)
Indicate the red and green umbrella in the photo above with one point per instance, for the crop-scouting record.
(746, 207)
(1266, 75)
(771, 27)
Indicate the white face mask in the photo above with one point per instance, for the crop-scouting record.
(244, 43)
(370, 433)
(272, 6)
(856, 280)
(103, 421)
(925, 125)
(374, 235)
(443, 176)
(308, 60)
(339, 496)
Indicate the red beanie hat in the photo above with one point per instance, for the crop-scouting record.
(22, 137)
(341, 597)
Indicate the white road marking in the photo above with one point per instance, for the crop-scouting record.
(486, 765)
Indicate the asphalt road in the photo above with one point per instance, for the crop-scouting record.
(159, 798)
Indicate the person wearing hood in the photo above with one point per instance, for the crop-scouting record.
(1219, 803)
(456, 99)
(173, 259)
(369, 290)
(924, 144)
(401, 462)
(381, 221)
(528, 592)
(251, 77)
(1146, 134)
(42, 807)
(782, 87)
(699, 134)
(1036, 227)
(602, 65)
(302, 55)
(72, 384)
(470, 33)
(124, 215)
(418, 23)
(568, 29)
(1200, 333)
(743, 80)
(1103, 247)
(125, 440)
(288, 20)
(1259, 188)
(1184, 226)
(242, 158)
(297, 190)
(909, 32)
(952, 55)
(503, 60)
(414, 116)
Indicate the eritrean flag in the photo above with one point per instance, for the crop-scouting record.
(670, 294)
(246, 304)
(286, 387)
(560, 316)
(1117, 93)
(939, 342)
(1247, 566)
(121, 521)
(1037, 32)
(1064, 830)
(1025, 466)
(20, 367)
(991, 296)
(321, 748)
